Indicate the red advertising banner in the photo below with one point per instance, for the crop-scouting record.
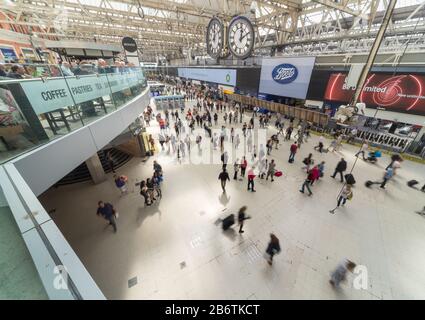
(401, 93)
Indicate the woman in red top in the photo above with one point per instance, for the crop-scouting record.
(244, 164)
(315, 174)
(251, 177)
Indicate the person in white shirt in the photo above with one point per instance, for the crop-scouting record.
(237, 141)
(249, 143)
(262, 168)
(187, 141)
(396, 166)
(338, 143)
(319, 147)
(363, 149)
(215, 140)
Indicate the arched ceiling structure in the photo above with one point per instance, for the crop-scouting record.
(172, 27)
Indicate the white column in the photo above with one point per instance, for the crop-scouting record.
(95, 168)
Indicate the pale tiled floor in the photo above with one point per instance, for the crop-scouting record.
(378, 229)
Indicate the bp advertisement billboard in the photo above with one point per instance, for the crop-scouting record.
(286, 77)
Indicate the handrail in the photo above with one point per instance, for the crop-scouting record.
(71, 285)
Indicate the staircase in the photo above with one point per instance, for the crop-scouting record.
(81, 173)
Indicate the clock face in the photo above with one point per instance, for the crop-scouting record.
(215, 38)
(241, 37)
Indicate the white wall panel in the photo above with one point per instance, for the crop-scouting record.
(107, 128)
(135, 109)
(42, 167)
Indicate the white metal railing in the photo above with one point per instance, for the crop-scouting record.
(63, 275)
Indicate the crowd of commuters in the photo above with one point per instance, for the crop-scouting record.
(209, 109)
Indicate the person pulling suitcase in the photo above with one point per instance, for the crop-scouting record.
(242, 217)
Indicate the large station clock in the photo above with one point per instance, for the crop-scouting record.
(215, 38)
(241, 36)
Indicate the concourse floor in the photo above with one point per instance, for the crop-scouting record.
(175, 250)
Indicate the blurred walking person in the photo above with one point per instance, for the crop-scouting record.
(244, 164)
(121, 183)
(346, 194)
(340, 168)
(107, 211)
(242, 217)
(307, 183)
(271, 170)
(223, 177)
(340, 273)
(272, 248)
(251, 177)
(293, 150)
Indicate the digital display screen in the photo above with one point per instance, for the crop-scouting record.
(400, 93)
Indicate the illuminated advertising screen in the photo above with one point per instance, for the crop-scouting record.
(400, 93)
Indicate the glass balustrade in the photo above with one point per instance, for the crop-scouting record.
(40, 102)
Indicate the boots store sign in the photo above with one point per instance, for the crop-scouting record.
(285, 73)
(286, 77)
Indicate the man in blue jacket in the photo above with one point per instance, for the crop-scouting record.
(107, 211)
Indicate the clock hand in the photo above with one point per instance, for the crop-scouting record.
(240, 37)
(243, 36)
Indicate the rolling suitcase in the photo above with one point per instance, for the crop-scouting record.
(349, 178)
(412, 183)
(228, 221)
